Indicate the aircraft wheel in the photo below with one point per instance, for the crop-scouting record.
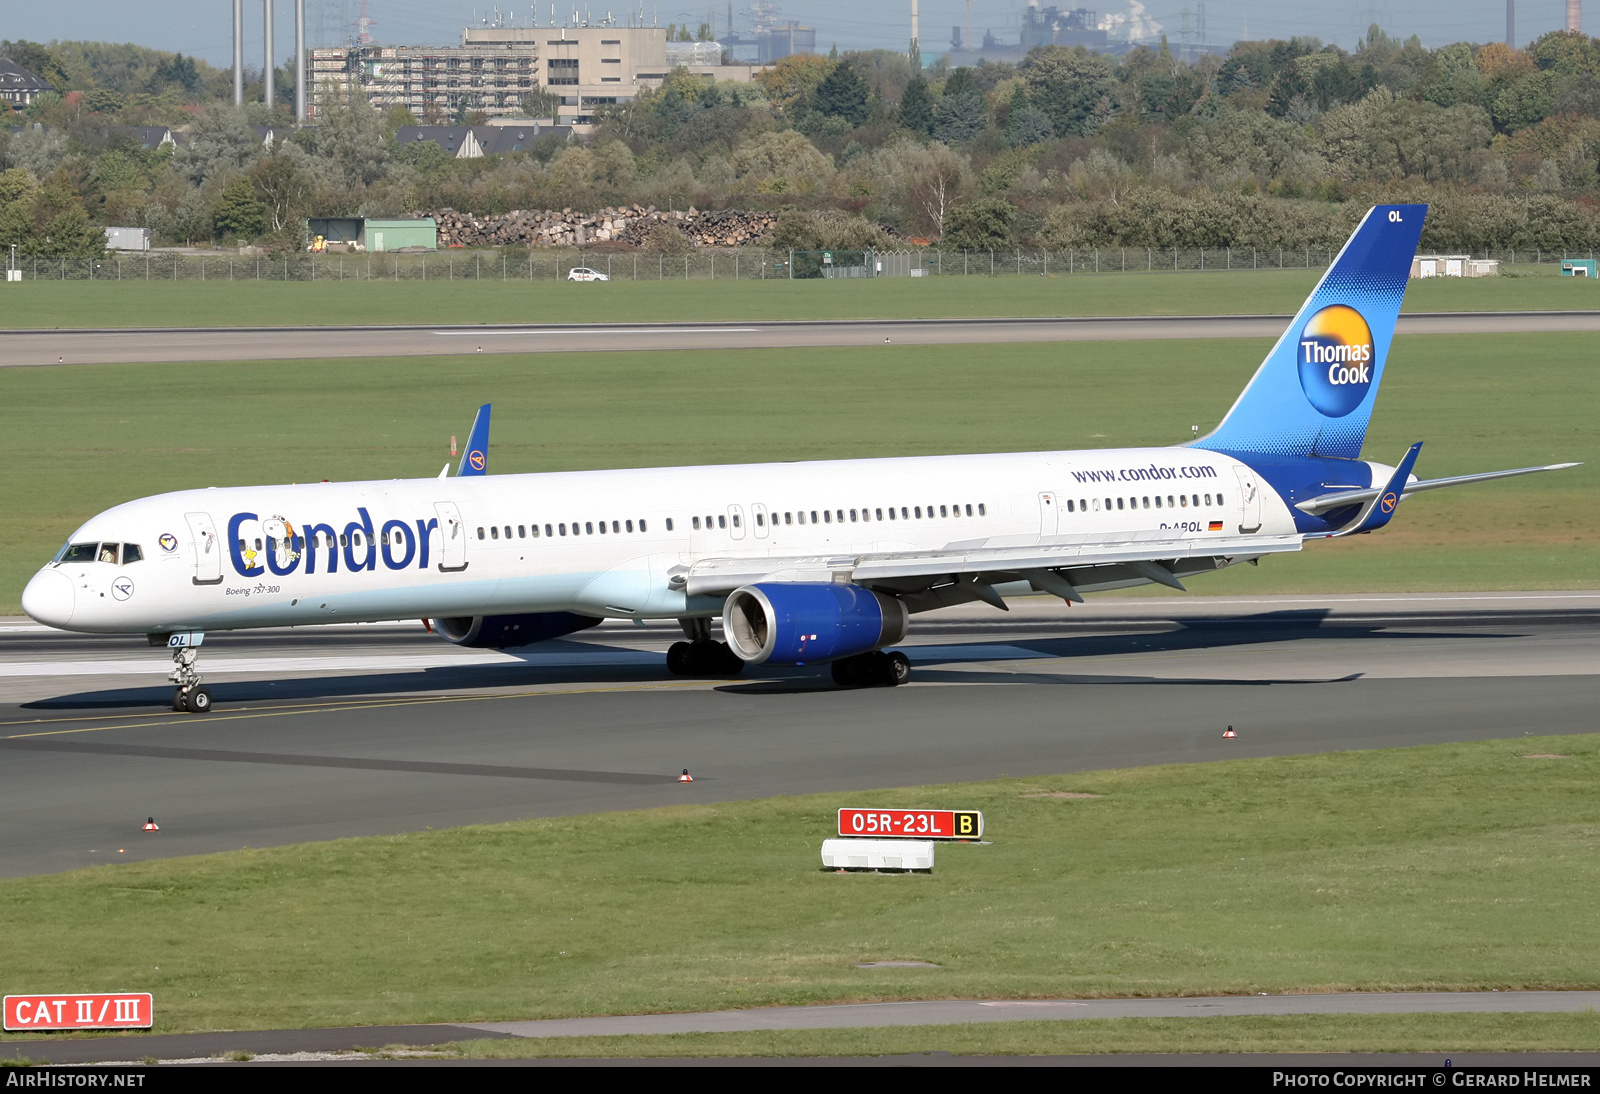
(179, 700)
(896, 669)
(723, 661)
(678, 656)
(198, 701)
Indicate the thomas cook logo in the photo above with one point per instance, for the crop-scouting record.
(1336, 360)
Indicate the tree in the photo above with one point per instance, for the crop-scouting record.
(284, 187)
(1075, 87)
(789, 83)
(238, 212)
(982, 225)
(349, 140)
(220, 143)
(842, 95)
(541, 104)
(916, 106)
(960, 117)
(1025, 123)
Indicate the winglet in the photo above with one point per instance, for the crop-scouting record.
(475, 457)
(1380, 510)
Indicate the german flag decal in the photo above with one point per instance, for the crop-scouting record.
(1216, 526)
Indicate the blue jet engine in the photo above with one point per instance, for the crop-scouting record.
(809, 622)
(504, 632)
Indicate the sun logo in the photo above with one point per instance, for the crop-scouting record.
(1336, 357)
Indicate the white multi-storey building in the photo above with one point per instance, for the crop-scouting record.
(495, 68)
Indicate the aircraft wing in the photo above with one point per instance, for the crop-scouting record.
(1325, 503)
(978, 565)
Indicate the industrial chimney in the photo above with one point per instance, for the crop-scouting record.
(238, 52)
(1575, 15)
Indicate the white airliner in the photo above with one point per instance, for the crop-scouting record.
(805, 563)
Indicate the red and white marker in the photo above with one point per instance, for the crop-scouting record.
(686, 777)
(1228, 734)
(150, 825)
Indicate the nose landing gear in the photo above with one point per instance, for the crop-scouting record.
(188, 695)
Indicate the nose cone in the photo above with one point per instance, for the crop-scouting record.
(48, 599)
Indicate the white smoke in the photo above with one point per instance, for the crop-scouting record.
(1134, 25)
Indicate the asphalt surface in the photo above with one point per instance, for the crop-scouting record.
(35, 347)
(371, 730)
(862, 1016)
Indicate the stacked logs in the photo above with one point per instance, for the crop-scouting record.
(628, 225)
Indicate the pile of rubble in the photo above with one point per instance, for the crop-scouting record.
(632, 225)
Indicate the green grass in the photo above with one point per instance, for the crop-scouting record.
(79, 440)
(1450, 867)
(1446, 1033)
(213, 303)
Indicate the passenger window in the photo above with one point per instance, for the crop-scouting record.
(1158, 501)
(1119, 503)
(615, 527)
(736, 523)
(918, 511)
(1169, 501)
(904, 515)
(535, 529)
(343, 540)
(696, 523)
(759, 521)
(1208, 499)
(131, 553)
(108, 552)
(813, 516)
(480, 533)
(1146, 503)
(1219, 499)
(630, 525)
(1069, 505)
(722, 522)
(852, 516)
(588, 528)
(788, 518)
(1183, 501)
(841, 516)
(602, 528)
(79, 552)
(563, 529)
(827, 515)
(547, 530)
(494, 533)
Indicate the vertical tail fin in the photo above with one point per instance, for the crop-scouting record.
(1313, 395)
(475, 457)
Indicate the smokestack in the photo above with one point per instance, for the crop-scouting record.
(1575, 15)
(238, 52)
(299, 61)
(266, 10)
(914, 34)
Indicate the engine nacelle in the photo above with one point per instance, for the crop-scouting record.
(809, 622)
(504, 632)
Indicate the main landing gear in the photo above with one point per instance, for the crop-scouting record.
(869, 670)
(188, 695)
(700, 656)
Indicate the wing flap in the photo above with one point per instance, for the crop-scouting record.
(719, 576)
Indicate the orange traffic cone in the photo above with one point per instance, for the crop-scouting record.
(686, 777)
(1228, 734)
(150, 825)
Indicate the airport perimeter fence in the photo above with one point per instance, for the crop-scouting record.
(744, 264)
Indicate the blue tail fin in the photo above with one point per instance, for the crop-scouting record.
(475, 457)
(1314, 393)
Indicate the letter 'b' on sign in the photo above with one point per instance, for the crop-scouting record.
(119, 1010)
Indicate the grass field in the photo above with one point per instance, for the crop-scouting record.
(1447, 867)
(213, 303)
(78, 440)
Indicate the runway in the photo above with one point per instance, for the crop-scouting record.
(376, 729)
(39, 347)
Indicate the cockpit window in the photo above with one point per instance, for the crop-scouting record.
(80, 552)
(131, 553)
(108, 553)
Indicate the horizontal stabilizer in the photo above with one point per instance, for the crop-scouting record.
(1325, 503)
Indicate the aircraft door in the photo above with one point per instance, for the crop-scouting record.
(452, 537)
(1048, 515)
(1250, 500)
(736, 521)
(759, 514)
(207, 549)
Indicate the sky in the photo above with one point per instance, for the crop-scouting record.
(204, 29)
